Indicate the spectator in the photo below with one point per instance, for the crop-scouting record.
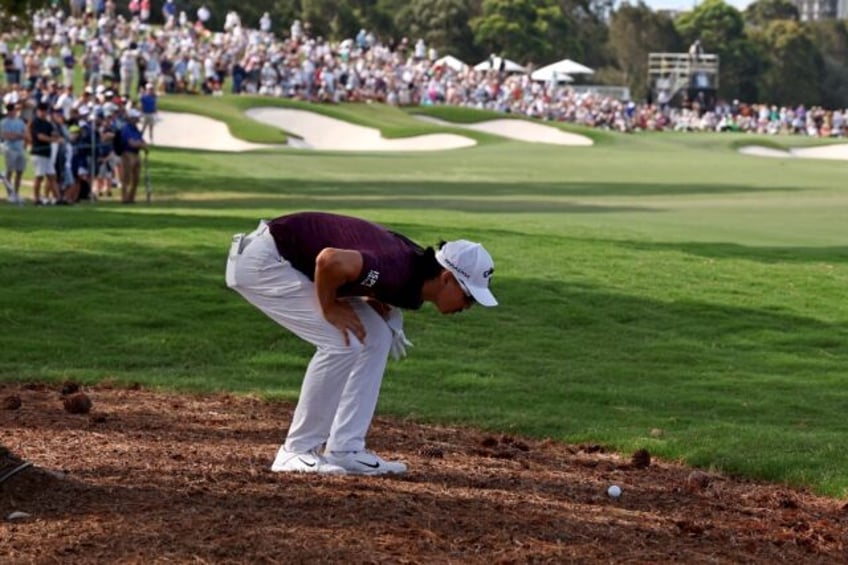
(265, 23)
(203, 15)
(134, 8)
(80, 144)
(128, 69)
(169, 12)
(62, 157)
(65, 102)
(13, 132)
(43, 133)
(133, 143)
(148, 102)
(69, 62)
(696, 51)
(144, 14)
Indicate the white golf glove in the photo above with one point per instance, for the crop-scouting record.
(399, 341)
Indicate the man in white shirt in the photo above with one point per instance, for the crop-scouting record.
(65, 101)
(265, 22)
(203, 14)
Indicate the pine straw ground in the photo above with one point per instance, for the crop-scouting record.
(152, 477)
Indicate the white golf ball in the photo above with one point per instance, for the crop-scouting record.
(614, 491)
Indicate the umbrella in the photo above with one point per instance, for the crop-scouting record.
(450, 62)
(495, 63)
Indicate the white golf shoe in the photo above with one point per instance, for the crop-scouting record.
(364, 463)
(307, 462)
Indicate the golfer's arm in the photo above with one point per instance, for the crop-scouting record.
(333, 269)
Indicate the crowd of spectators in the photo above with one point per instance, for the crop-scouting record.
(126, 63)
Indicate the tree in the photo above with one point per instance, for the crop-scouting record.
(796, 67)
(590, 32)
(634, 32)
(761, 12)
(13, 12)
(443, 24)
(831, 39)
(528, 30)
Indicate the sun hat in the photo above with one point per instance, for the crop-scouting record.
(472, 266)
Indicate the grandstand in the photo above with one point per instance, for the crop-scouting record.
(681, 79)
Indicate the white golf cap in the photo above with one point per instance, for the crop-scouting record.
(472, 266)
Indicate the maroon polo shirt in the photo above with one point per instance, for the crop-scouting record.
(388, 258)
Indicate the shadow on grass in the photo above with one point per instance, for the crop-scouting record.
(196, 179)
(459, 189)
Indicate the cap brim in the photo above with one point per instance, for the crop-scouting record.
(483, 296)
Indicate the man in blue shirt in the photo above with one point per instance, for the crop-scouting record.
(132, 143)
(148, 109)
(169, 11)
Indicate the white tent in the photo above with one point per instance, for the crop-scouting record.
(450, 62)
(547, 74)
(495, 63)
(566, 67)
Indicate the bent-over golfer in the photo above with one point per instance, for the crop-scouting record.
(339, 283)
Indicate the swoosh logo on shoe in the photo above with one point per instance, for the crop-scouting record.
(371, 465)
(307, 463)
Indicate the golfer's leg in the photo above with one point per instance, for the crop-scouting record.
(359, 398)
(322, 388)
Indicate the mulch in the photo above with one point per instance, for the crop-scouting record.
(144, 476)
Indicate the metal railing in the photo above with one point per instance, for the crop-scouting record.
(674, 71)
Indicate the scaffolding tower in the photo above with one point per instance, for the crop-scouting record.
(675, 78)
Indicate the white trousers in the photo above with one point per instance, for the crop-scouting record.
(342, 382)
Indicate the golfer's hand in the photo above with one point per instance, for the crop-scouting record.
(342, 315)
(334, 268)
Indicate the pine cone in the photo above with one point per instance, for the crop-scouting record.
(11, 402)
(432, 452)
(77, 403)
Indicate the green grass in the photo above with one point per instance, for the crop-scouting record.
(653, 282)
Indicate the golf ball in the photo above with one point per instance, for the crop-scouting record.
(614, 491)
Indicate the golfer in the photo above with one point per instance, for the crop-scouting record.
(339, 283)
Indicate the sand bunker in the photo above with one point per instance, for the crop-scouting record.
(837, 152)
(329, 134)
(191, 131)
(760, 151)
(520, 130)
(311, 130)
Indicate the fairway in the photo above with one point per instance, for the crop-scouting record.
(657, 291)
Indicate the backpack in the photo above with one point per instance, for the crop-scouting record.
(118, 143)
